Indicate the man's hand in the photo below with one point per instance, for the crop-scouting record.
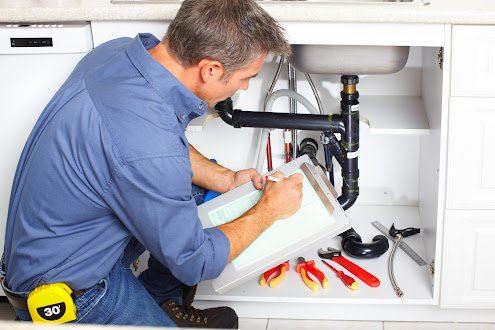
(241, 177)
(282, 199)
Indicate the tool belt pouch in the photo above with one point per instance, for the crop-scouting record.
(52, 303)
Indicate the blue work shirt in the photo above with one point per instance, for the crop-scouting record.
(107, 161)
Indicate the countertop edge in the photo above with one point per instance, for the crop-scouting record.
(283, 13)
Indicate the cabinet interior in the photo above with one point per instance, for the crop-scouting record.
(399, 162)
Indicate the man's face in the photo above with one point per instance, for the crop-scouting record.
(218, 89)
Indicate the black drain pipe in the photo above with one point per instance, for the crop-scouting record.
(346, 124)
(349, 142)
(331, 148)
(240, 118)
(309, 146)
(348, 159)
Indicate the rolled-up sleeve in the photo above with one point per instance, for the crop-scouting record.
(152, 198)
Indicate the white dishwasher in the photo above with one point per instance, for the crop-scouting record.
(35, 59)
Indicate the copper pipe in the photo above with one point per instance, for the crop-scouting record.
(269, 154)
(287, 152)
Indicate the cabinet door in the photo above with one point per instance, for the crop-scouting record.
(469, 260)
(473, 61)
(471, 154)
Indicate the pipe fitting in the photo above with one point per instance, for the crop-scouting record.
(349, 79)
(354, 246)
(225, 110)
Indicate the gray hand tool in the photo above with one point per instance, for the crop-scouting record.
(402, 245)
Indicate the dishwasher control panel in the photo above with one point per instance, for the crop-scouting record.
(31, 42)
(45, 38)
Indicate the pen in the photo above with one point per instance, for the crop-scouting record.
(272, 178)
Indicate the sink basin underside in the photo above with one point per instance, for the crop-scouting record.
(356, 60)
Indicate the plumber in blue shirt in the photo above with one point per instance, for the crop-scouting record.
(107, 172)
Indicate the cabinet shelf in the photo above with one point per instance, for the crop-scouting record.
(413, 279)
(404, 115)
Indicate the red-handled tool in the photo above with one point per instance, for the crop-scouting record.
(308, 267)
(336, 255)
(350, 282)
(279, 272)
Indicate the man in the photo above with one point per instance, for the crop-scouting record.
(107, 172)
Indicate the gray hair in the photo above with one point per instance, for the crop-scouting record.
(233, 32)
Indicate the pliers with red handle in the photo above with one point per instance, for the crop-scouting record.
(279, 272)
(308, 267)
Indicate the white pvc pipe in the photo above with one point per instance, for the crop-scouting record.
(269, 105)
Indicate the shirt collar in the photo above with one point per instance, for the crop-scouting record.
(185, 103)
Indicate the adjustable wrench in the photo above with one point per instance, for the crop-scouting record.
(336, 256)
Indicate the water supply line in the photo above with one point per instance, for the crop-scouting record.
(399, 235)
(268, 94)
(291, 153)
(265, 134)
(315, 92)
(266, 120)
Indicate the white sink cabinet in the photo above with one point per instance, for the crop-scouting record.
(427, 160)
(469, 256)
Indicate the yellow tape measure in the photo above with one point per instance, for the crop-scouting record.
(52, 303)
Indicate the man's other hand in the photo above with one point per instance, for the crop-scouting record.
(241, 177)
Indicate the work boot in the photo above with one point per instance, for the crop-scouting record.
(185, 316)
(188, 293)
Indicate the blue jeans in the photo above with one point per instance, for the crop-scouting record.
(121, 298)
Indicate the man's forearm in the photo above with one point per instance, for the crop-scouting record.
(208, 174)
(245, 229)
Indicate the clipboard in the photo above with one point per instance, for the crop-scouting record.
(320, 217)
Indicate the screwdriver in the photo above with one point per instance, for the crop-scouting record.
(350, 282)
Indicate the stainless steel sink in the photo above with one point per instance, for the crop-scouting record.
(331, 59)
(359, 60)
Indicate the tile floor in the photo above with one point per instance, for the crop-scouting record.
(7, 314)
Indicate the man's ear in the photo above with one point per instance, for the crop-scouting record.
(210, 69)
